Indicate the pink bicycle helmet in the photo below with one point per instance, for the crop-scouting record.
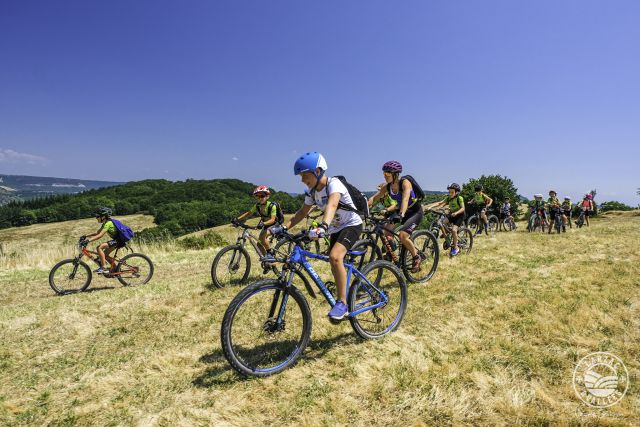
(392, 166)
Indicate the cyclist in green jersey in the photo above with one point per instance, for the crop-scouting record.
(103, 215)
(555, 212)
(268, 212)
(481, 202)
(390, 209)
(455, 202)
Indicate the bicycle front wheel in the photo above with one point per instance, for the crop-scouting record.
(507, 224)
(465, 240)
(265, 328)
(493, 224)
(428, 250)
(134, 270)
(231, 266)
(70, 276)
(378, 322)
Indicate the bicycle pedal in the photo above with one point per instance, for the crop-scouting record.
(338, 321)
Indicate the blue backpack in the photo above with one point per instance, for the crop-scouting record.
(125, 232)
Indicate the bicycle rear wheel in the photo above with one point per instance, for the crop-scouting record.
(70, 276)
(230, 266)
(465, 240)
(134, 270)
(473, 223)
(378, 322)
(266, 328)
(427, 246)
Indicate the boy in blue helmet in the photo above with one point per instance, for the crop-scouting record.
(343, 226)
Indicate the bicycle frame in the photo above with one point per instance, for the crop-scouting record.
(246, 235)
(378, 233)
(299, 256)
(113, 260)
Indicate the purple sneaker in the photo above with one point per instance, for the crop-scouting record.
(339, 311)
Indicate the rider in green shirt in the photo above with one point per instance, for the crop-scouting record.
(455, 202)
(103, 215)
(268, 212)
(481, 202)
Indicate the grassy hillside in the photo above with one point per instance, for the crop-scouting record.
(493, 338)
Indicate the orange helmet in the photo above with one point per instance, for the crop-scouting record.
(261, 189)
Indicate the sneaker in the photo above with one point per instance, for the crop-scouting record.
(416, 264)
(455, 251)
(339, 311)
(101, 271)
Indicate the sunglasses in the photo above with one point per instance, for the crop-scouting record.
(260, 196)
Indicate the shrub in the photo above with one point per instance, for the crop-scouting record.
(207, 240)
(614, 206)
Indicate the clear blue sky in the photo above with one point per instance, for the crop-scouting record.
(545, 92)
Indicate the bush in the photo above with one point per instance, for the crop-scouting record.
(207, 240)
(614, 206)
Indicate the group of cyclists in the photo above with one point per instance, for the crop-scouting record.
(399, 196)
(553, 212)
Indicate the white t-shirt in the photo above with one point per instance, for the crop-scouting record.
(342, 218)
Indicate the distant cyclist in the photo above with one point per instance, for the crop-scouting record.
(103, 215)
(408, 207)
(555, 212)
(455, 202)
(268, 212)
(343, 226)
(566, 209)
(586, 205)
(506, 212)
(481, 201)
(537, 205)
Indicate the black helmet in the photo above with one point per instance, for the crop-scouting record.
(104, 211)
(478, 187)
(453, 185)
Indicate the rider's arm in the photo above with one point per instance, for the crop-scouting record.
(406, 194)
(381, 193)
(97, 235)
(490, 200)
(299, 215)
(244, 216)
(332, 206)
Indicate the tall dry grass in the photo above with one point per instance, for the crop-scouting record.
(492, 339)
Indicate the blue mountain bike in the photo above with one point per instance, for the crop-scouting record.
(268, 324)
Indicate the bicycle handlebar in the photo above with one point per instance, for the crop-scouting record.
(243, 225)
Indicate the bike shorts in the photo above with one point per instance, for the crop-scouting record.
(552, 214)
(567, 213)
(116, 243)
(411, 220)
(346, 237)
(457, 220)
(587, 213)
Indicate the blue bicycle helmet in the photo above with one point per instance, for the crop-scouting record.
(309, 162)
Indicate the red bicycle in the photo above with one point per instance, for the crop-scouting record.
(74, 275)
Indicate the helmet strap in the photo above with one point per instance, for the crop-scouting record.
(318, 178)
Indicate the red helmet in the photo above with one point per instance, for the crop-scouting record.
(589, 196)
(392, 166)
(261, 189)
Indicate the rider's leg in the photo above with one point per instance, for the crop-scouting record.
(454, 234)
(485, 220)
(336, 258)
(101, 248)
(107, 255)
(264, 242)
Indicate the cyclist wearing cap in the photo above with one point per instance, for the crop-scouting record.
(103, 215)
(268, 212)
(455, 202)
(481, 202)
(554, 209)
(339, 219)
(408, 206)
(587, 207)
(566, 209)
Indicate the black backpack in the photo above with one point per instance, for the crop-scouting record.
(358, 198)
(279, 213)
(417, 190)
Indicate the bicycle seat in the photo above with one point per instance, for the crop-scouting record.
(355, 253)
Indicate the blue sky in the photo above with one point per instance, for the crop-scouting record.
(545, 92)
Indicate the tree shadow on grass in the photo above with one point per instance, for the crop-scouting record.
(223, 374)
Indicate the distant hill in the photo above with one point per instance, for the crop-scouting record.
(22, 187)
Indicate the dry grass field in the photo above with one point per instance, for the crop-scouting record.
(493, 339)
